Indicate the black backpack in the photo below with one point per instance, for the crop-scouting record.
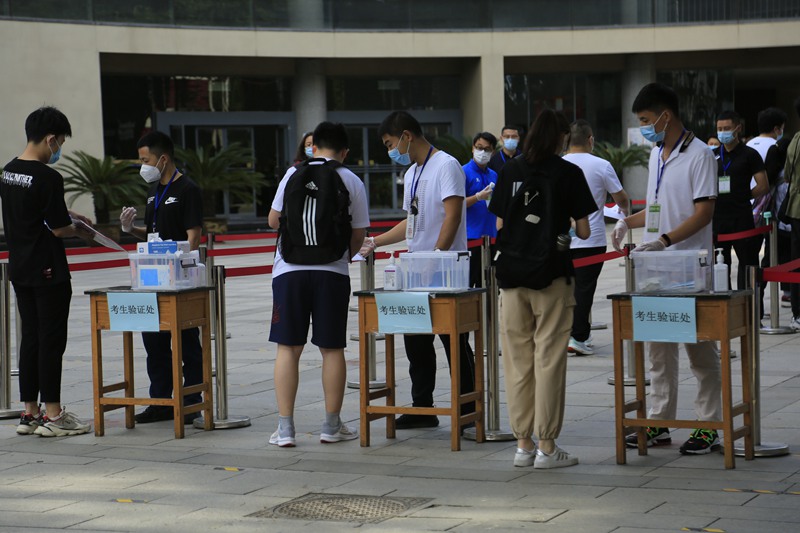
(315, 220)
(526, 244)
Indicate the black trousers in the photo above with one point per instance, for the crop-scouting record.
(746, 249)
(421, 355)
(44, 313)
(585, 287)
(159, 362)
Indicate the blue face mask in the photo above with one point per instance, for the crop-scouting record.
(649, 131)
(780, 136)
(726, 137)
(397, 157)
(309, 152)
(54, 156)
(510, 144)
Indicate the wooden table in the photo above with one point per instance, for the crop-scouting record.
(452, 313)
(177, 310)
(721, 317)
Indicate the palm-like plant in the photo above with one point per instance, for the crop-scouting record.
(111, 183)
(636, 155)
(220, 169)
(461, 148)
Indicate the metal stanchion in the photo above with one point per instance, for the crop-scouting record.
(491, 350)
(223, 420)
(5, 345)
(17, 336)
(203, 250)
(630, 379)
(762, 449)
(368, 284)
(210, 280)
(775, 327)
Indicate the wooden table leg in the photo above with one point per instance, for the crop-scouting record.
(208, 381)
(127, 365)
(480, 429)
(455, 384)
(97, 366)
(391, 422)
(363, 378)
(619, 385)
(641, 394)
(747, 394)
(727, 401)
(177, 378)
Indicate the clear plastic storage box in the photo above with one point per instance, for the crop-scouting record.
(435, 271)
(167, 271)
(671, 271)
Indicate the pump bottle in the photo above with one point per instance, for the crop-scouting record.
(392, 280)
(720, 273)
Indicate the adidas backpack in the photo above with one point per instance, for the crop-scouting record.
(315, 220)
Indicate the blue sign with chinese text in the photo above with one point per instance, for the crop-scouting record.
(133, 311)
(403, 312)
(664, 319)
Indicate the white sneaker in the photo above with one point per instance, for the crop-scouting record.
(558, 459)
(286, 441)
(579, 348)
(524, 457)
(64, 425)
(590, 341)
(343, 433)
(795, 323)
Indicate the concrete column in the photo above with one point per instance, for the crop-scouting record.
(639, 70)
(309, 94)
(483, 95)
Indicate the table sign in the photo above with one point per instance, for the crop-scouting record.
(133, 311)
(403, 312)
(664, 319)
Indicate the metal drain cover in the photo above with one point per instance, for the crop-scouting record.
(342, 508)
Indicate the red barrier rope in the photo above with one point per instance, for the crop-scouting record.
(101, 265)
(248, 271)
(384, 223)
(594, 259)
(725, 237)
(784, 277)
(245, 236)
(217, 252)
(786, 267)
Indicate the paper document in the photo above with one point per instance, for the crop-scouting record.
(613, 212)
(97, 237)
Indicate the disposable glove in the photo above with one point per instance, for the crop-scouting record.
(618, 233)
(126, 218)
(652, 246)
(368, 247)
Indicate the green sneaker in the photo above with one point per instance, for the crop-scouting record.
(701, 441)
(655, 437)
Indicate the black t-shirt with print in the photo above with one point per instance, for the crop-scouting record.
(33, 202)
(740, 165)
(180, 208)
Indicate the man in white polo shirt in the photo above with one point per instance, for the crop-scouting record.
(681, 193)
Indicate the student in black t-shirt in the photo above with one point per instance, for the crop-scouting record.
(174, 211)
(510, 136)
(35, 219)
(737, 164)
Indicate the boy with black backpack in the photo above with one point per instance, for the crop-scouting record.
(320, 212)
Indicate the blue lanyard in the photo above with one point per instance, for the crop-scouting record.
(415, 181)
(663, 164)
(722, 160)
(159, 197)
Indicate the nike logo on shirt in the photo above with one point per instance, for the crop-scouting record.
(170, 200)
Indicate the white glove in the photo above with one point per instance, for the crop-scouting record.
(485, 193)
(652, 246)
(126, 218)
(618, 233)
(368, 247)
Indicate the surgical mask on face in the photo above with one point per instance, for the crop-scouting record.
(481, 156)
(726, 137)
(149, 173)
(54, 156)
(309, 152)
(649, 131)
(397, 157)
(778, 138)
(510, 144)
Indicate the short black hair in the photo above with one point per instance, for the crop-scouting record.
(514, 127)
(486, 136)
(157, 142)
(771, 118)
(330, 136)
(730, 114)
(397, 122)
(579, 133)
(657, 97)
(46, 121)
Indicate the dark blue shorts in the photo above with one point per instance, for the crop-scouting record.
(299, 296)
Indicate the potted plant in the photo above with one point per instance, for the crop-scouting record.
(220, 169)
(111, 183)
(636, 155)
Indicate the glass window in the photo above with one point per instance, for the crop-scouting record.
(702, 94)
(49, 9)
(230, 13)
(141, 11)
(359, 94)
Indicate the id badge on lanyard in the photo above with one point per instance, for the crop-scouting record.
(653, 218)
(411, 220)
(724, 185)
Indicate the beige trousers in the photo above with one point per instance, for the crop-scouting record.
(534, 331)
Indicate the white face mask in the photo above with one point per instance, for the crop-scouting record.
(149, 173)
(481, 156)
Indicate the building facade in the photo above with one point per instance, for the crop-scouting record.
(261, 72)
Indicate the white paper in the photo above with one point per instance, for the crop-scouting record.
(97, 237)
(358, 257)
(613, 212)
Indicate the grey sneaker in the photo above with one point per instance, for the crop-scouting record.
(29, 423)
(283, 438)
(579, 348)
(64, 425)
(343, 433)
(524, 457)
(558, 459)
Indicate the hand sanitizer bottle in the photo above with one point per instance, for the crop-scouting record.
(720, 273)
(391, 276)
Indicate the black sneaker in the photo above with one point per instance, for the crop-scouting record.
(701, 441)
(416, 421)
(154, 413)
(655, 437)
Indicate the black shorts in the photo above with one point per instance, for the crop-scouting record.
(299, 296)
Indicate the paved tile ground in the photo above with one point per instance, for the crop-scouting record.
(145, 480)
